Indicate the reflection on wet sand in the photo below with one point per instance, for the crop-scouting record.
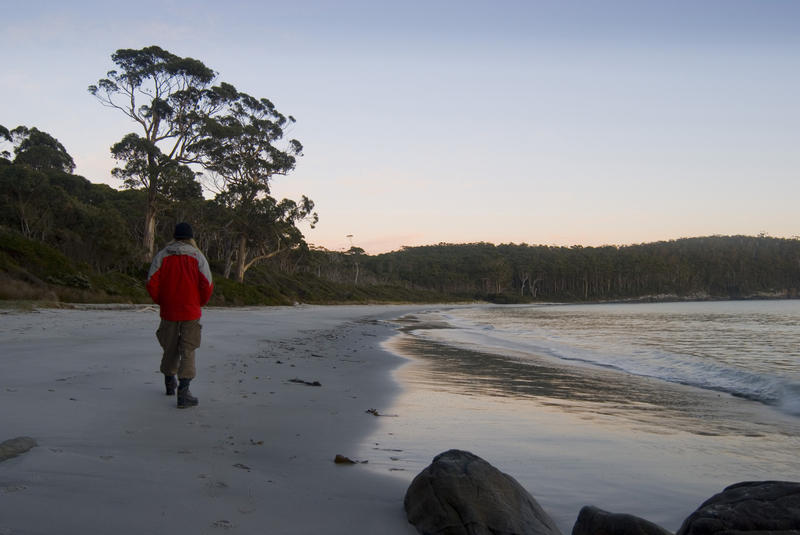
(589, 392)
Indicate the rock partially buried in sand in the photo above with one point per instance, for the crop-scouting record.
(751, 506)
(16, 446)
(594, 521)
(460, 493)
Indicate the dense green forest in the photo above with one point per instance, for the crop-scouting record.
(63, 238)
(66, 239)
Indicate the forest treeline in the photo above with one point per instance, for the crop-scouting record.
(688, 268)
(206, 153)
(65, 238)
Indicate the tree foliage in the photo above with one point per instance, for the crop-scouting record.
(167, 96)
(240, 149)
(37, 149)
(714, 266)
(4, 135)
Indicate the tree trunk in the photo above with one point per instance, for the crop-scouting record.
(241, 261)
(525, 278)
(534, 290)
(228, 264)
(149, 240)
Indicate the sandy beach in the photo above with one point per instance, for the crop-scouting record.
(114, 455)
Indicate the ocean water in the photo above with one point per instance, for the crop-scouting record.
(749, 349)
(646, 409)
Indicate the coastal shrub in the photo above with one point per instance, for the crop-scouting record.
(122, 286)
(36, 257)
(232, 293)
(14, 289)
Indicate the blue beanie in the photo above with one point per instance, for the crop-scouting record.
(183, 231)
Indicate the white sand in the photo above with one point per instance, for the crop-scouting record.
(256, 456)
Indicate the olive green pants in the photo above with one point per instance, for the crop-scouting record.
(179, 339)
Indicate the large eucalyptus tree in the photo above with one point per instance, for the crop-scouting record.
(166, 96)
(243, 149)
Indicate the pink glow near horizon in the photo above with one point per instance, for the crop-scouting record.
(516, 122)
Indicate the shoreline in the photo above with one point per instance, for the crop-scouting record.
(256, 454)
(580, 435)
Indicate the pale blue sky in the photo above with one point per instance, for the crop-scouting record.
(560, 122)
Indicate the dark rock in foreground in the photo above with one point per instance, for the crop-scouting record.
(756, 506)
(15, 446)
(460, 493)
(594, 521)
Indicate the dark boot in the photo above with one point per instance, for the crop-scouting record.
(171, 382)
(185, 398)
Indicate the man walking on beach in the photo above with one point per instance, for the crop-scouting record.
(179, 281)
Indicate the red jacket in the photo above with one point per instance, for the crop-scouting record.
(180, 282)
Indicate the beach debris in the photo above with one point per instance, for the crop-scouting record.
(16, 446)
(12, 488)
(224, 524)
(242, 466)
(256, 442)
(341, 459)
(303, 382)
(375, 412)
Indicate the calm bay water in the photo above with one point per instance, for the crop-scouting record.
(746, 348)
(647, 409)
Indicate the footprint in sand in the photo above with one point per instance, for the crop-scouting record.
(215, 488)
